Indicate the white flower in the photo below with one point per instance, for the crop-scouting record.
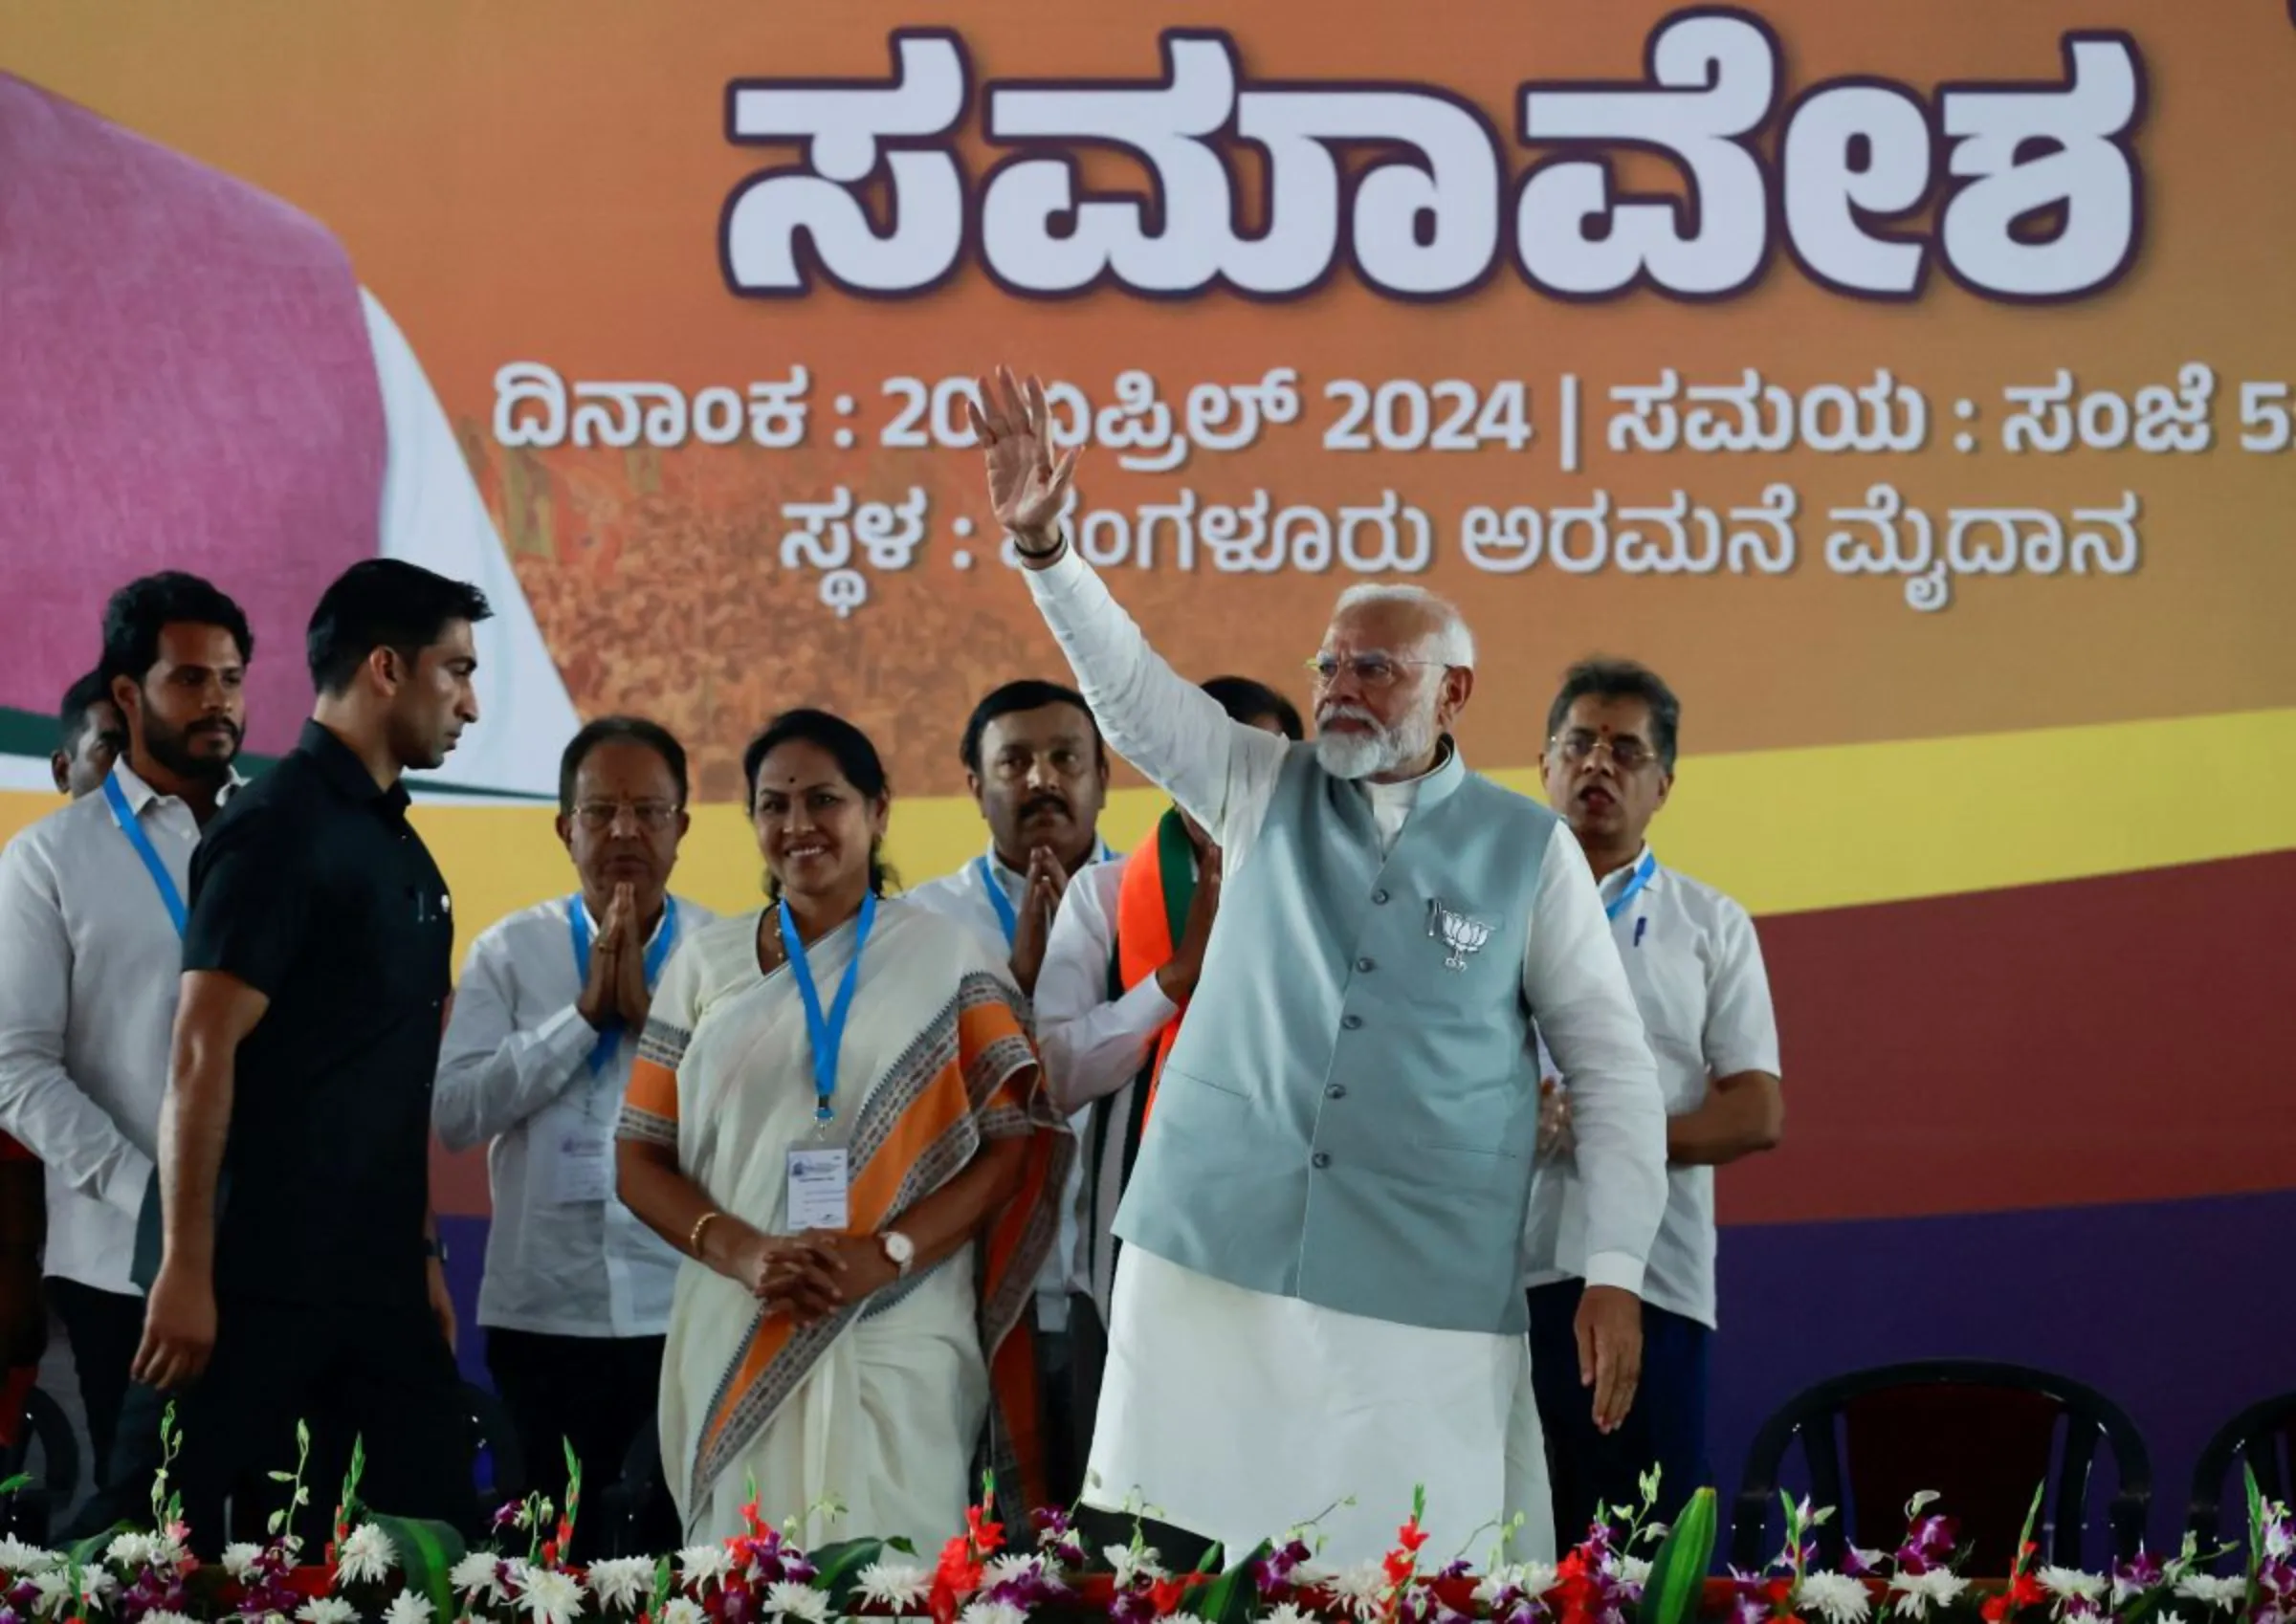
(239, 1560)
(1917, 1592)
(992, 1612)
(326, 1609)
(2210, 1590)
(1177, 1617)
(163, 1618)
(1532, 1579)
(624, 1582)
(2070, 1584)
(408, 1608)
(366, 1557)
(480, 1576)
(1360, 1590)
(682, 1609)
(894, 1585)
(790, 1600)
(1836, 1597)
(25, 1560)
(2169, 1618)
(1131, 1565)
(133, 1550)
(551, 1598)
(1634, 1570)
(699, 1564)
(1004, 1569)
(2279, 1537)
(55, 1587)
(1289, 1613)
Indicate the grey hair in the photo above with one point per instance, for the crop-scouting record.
(1451, 643)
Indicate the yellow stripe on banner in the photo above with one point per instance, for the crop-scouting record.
(1783, 831)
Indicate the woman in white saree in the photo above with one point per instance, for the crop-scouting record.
(856, 1158)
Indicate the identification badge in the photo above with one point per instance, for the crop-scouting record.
(582, 1170)
(817, 1190)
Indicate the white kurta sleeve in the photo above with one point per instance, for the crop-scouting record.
(1219, 769)
(1585, 1010)
(1092, 1044)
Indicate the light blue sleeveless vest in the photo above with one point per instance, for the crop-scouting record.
(1348, 1114)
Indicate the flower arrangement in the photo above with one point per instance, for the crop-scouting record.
(1629, 1569)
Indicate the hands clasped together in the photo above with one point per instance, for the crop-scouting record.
(813, 1275)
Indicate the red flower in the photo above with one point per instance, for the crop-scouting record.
(988, 1538)
(549, 1553)
(1778, 1592)
(1165, 1593)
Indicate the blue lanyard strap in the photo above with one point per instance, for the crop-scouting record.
(1008, 918)
(1643, 872)
(140, 840)
(657, 953)
(826, 1033)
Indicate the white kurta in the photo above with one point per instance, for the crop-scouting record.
(1236, 1414)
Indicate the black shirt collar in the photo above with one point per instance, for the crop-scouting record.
(340, 766)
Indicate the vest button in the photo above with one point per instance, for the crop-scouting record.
(1350, 1022)
(1379, 896)
(1337, 1091)
(1365, 965)
(1321, 1158)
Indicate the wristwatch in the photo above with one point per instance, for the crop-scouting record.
(435, 1248)
(899, 1251)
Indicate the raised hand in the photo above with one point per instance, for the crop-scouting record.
(633, 1001)
(1026, 487)
(601, 997)
(1032, 931)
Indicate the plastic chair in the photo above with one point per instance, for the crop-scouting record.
(1980, 1433)
(30, 1514)
(497, 1460)
(2264, 1435)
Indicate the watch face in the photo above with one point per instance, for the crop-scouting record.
(899, 1248)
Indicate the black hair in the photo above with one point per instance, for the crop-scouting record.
(71, 715)
(383, 603)
(133, 618)
(845, 745)
(1621, 679)
(1247, 701)
(620, 730)
(1027, 695)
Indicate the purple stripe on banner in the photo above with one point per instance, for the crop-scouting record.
(2165, 1307)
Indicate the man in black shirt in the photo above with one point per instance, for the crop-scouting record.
(299, 1278)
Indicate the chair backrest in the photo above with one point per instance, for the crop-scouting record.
(498, 1459)
(635, 1511)
(1980, 1433)
(30, 1515)
(2263, 1435)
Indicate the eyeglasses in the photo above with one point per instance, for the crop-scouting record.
(1373, 673)
(652, 815)
(1629, 755)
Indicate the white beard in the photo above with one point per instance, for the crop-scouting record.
(1356, 755)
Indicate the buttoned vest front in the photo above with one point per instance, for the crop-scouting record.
(1349, 1115)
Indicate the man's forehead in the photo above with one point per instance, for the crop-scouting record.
(1057, 723)
(195, 642)
(623, 758)
(1384, 624)
(1609, 713)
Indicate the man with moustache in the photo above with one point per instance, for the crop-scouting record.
(1037, 769)
(1696, 966)
(576, 1294)
(300, 1276)
(90, 737)
(92, 910)
(1322, 1266)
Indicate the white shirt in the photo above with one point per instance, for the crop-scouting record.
(89, 976)
(962, 897)
(564, 1257)
(1696, 966)
(1225, 774)
(434, 516)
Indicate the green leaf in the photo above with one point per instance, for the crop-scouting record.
(2017, 1560)
(1677, 1581)
(428, 1552)
(90, 1551)
(2255, 1533)
(839, 1568)
(15, 1485)
(1228, 1599)
(903, 1543)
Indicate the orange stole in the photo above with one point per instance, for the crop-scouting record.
(940, 1110)
(1153, 897)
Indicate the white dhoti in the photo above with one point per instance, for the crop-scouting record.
(1236, 1415)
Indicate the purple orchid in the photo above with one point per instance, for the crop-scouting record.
(508, 1516)
(1273, 1573)
(1132, 1606)
(24, 1597)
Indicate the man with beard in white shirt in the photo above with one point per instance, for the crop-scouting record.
(1037, 769)
(576, 1294)
(92, 910)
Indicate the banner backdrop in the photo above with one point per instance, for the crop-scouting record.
(1914, 385)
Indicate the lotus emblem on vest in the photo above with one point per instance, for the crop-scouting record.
(1458, 931)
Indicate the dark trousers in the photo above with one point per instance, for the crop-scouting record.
(104, 1328)
(382, 1374)
(1068, 1365)
(593, 1392)
(1666, 1427)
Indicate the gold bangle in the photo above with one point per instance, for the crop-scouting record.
(694, 1238)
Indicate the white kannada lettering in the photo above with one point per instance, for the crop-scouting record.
(520, 388)
(777, 411)
(1714, 84)
(1756, 539)
(780, 222)
(2266, 424)
(1854, 154)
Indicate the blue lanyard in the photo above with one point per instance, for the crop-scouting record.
(1617, 904)
(827, 1032)
(133, 829)
(657, 953)
(1008, 919)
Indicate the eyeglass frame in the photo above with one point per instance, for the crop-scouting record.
(1603, 742)
(1314, 666)
(651, 817)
